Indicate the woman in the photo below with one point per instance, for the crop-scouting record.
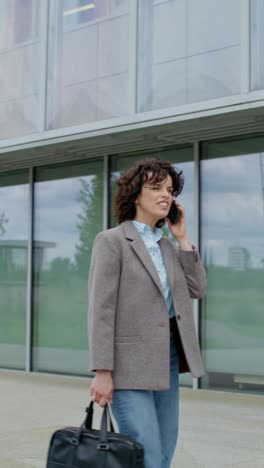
(141, 327)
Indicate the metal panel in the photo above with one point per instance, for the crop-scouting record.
(105, 194)
(245, 46)
(29, 278)
(153, 137)
(217, 107)
(44, 13)
(132, 56)
(197, 232)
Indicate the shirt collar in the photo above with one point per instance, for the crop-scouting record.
(143, 228)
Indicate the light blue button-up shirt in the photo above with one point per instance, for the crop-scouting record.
(151, 240)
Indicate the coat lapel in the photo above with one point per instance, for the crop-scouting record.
(142, 252)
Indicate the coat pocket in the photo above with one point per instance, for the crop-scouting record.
(129, 358)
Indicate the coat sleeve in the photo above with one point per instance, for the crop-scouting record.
(194, 272)
(103, 285)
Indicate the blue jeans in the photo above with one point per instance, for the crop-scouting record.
(151, 417)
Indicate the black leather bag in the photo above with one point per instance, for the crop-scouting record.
(84, 447)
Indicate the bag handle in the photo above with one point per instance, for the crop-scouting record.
(107, 416)
(89, 418)
(87, 424)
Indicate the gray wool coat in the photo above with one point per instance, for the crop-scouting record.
(128, 321)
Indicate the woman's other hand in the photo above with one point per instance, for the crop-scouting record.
(102, 387)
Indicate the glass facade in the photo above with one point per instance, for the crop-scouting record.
(88, 63)
(72, 62)
(182, 159)
(68, 213)
(232, 228)
(14, 229)
(185, 48)
(19, 67)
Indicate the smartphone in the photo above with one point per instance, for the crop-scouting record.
(174, 213)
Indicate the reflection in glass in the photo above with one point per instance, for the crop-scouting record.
(185, 48)
(87, 61)
(68, 215)
(233, 249)
(14, 219)
(182, 159)
(19, 57)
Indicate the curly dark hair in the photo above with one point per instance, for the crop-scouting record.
(129, 186)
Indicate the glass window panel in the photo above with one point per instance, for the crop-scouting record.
(257, 44)
(229, 147)
(87, 61)
(108, 88)
(232, 230)
(68, 215)
(76, 12)
(213, 25)
(182, 159)
(23, 20)
(172, 46)
(188, 51)
(208, 77)
(175, 92)
(19, 57)
(14, 228)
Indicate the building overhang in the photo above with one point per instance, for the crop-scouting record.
(51, 147)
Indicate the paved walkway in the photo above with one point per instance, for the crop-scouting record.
(217, 429)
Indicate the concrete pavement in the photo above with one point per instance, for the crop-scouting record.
(217, 429)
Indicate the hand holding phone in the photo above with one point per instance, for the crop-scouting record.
(174, 213)
(177, 225)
